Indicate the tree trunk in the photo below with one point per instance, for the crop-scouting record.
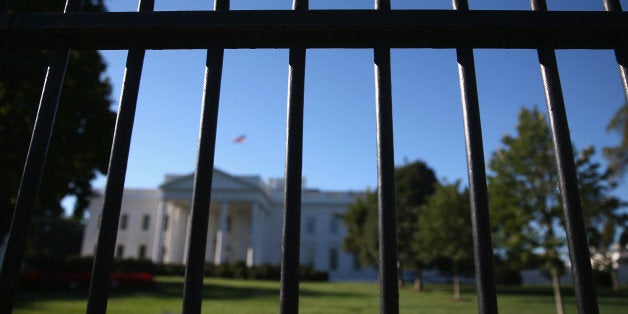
(558, 298)
(614, 279)
(457, 294)
(418, 283)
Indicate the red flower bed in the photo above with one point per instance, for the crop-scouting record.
(132, 280)
(80, 280)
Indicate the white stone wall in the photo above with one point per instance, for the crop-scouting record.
(322, 232)
(136, 205)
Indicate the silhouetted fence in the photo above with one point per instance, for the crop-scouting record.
(380, 29)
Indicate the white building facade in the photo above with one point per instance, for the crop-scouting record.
(245, 224)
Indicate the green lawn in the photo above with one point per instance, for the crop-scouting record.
(239, 296)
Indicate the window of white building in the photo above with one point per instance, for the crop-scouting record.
(310, 255)
(333, 258)
(124, 221)
(120, 251)
(333, 224)
(145, 222)
(141, 251)
(310, 225)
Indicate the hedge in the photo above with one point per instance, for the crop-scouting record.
(237, 270)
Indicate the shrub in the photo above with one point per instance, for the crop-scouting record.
(43, 273)
(49, 280)
(224, 271)
(602, 278)
(308, 273)
(169, 269)
(265, 272)
(132, 280)
(240, 270)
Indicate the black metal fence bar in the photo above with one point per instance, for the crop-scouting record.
(386, 214)
(193, 286)
(33, 170)
(4, 6)
(621, 53)
(116, 174)
(314, 29)
(568, 181)
(482, 242)
(291, 230)
(380, 29)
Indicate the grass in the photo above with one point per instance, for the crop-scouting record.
(239, 296)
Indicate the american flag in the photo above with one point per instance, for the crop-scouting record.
(240, 139)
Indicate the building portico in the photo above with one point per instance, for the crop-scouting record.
(236, 211)
(244, 225)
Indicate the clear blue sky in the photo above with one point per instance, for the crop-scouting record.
(339, 132)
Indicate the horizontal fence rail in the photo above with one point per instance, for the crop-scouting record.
(314, 29)
(380, 29)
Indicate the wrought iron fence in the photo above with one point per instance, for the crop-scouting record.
(380, 29)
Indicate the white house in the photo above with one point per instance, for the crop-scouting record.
(244, 225)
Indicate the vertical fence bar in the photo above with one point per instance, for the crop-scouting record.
(290, 261)
(116, 174)
(621, 54)
(388, 272)
(482, 242)
(568, 180)
(201, 197)
(33, 170)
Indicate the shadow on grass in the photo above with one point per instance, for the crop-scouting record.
(229, 292)
(607, 294)
(542, 290)
(174, 290)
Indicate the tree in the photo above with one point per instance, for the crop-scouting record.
(79, 146)
(361, 222)
(524, 199)
(444, 238)
(617, 156)
(605, 222)
(525, 205)
(414, 183)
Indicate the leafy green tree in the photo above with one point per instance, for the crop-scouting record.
(524, 198)
(79, 147)
(361, 222)
(605, 222)
(617, 156)
(414, 183)
(444, 238)
(525, 205)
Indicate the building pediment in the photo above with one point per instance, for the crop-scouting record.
(221, 181)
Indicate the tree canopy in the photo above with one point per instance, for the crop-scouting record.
(80, 142)
(617, 156)
(414, 183)
(525, 204)
(444, 237)
(524, 199)
(606, 223)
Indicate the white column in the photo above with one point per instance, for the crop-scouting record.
(251, 252)
(158, 239)
(221, 234)
(177, 234)
(186, 238)
(169, 235)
